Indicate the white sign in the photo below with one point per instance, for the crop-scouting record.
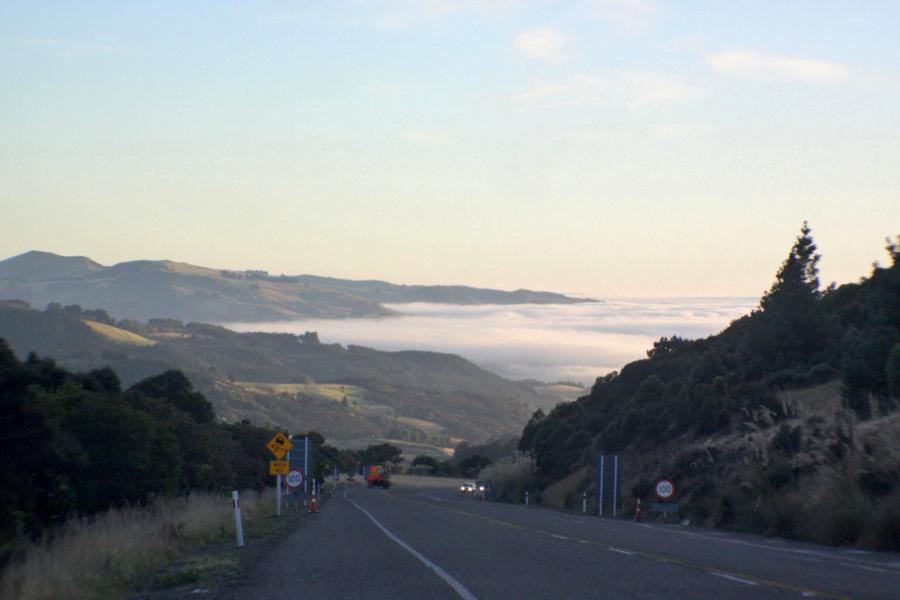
(665, 489)
(294, 479)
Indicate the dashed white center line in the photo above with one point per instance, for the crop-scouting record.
(733, 578)
(560, 537)
(430, 497)
(620, 551)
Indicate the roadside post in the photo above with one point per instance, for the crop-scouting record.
(238, 524)
(279, 446)
(526, 497)
(584, 503)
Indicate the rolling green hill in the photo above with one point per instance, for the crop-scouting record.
(285, 380)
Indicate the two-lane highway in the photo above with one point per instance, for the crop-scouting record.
(415, 543)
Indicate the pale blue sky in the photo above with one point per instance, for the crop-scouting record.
(618, 148)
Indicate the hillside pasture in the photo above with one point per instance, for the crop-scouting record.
(116, 334)
(327, 391)
(429, 428)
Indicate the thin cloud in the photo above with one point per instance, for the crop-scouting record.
(759, 65)
(71, 48)
(632, 89)
(626, 14)
(543, 44)
(686, 130)
(647, 87)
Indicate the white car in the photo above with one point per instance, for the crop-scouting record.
(467, 487)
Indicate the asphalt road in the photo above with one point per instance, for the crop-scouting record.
(433, 544)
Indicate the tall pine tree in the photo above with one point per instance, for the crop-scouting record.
(788, 331)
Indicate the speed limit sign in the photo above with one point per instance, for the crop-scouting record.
(665, 489)
(294, 479)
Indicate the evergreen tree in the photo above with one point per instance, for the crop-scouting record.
(788, 332)
(796, 286)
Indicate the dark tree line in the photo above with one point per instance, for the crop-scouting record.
(800, 335)
(77, 444)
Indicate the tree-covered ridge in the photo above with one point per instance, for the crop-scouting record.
(77, 443)
(684, 389)
(445, 389)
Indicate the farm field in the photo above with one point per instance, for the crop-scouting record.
(116, 334)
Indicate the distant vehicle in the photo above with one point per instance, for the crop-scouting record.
(467, 488)
(484, 490)
(378, 476)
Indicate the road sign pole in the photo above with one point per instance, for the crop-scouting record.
(306, 465)
(238, 524)
(600, 499)
(278, 495)
(615, 484)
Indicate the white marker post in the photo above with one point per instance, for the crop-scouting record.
(526, 497)
(238, 524)
(584, 503)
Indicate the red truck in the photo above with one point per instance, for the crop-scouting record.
(378, 476)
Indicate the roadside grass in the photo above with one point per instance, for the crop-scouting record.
(107, 555)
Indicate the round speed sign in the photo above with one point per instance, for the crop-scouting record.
(294, 479)
(665, 489)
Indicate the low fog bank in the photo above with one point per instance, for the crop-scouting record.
(577, 342)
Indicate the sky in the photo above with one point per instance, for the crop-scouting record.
(561, 342)
(614, 148)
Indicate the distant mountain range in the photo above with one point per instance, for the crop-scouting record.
(145, 289)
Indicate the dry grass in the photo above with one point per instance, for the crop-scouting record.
(327, 391)
(557, 494)
(103, 556)
(511, 477)
(117, 334)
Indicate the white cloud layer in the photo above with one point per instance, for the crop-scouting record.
(756, 64)
(544, 44)
(548, 342)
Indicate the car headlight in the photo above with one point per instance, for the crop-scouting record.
(481, 488)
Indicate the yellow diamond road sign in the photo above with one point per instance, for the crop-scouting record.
(279, 445)
(279, 467)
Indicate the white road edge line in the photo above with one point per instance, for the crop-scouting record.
(559, 537)
(733, 578)
(457, 586)
(626, 552)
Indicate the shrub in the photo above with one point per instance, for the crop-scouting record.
(511, 477)
(884, 529)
